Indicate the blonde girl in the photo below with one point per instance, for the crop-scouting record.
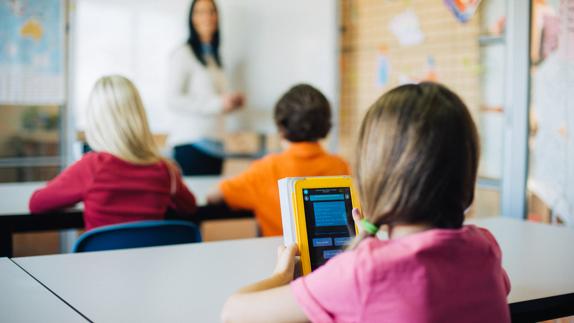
(117, 122)
(417, 159)
(125, 178)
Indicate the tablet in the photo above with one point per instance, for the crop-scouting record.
(323, 224)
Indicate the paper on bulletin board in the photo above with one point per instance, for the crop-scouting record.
(463, 10)
(429, 73)
(383, 67)
(406, 28)
(545, 32)
(32, 48)
(567, 30)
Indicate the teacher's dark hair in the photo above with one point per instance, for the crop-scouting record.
(195, 43)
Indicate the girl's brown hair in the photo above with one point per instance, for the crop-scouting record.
(418, 154)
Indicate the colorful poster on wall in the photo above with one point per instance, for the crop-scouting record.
(545, 32)
(382, 67)
(567, 29)
(32, 47)
(428, 73)
(431, 71)
(463, 10)
(406, 28)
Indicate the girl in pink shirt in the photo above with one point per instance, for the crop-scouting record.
(418, 155)
(125, 178)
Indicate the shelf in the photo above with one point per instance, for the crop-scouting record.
(30, 162)
(488, 183)
(489, 40)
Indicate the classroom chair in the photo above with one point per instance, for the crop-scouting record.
(138, 234)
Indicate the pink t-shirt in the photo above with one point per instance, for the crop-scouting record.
(440, 275)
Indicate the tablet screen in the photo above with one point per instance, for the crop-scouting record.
(329, 221)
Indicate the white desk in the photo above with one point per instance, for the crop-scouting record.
(162, 284)
(538, 258)
(201, 186)
(191, 282)
(14, 197)
(15, 216)
(23, 299)
(540, 263)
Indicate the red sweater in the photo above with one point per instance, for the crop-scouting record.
(115, 191)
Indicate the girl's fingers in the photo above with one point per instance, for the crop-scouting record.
(357, 216)
(293, 250)
(286, 260)
(280, 250)
(287, 251)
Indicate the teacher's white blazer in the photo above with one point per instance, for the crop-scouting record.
(194, 98)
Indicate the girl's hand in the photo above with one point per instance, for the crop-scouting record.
(357, 217)
(285, 266)
(215, 197)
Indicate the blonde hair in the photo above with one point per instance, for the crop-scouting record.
(418, 154)
(117, 121)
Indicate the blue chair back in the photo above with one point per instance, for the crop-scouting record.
(138, 234)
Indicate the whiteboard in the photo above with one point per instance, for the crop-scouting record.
(551, 174)
(267, 46)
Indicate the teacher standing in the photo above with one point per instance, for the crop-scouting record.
(198, 96)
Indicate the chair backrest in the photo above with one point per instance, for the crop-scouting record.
(138, 234)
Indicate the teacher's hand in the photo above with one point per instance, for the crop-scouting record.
(239, 99)
(232, 102)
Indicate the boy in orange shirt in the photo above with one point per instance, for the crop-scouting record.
(303, 117)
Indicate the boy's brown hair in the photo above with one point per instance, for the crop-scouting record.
(303, 114)
(418, 155)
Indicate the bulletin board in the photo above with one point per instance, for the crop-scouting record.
(391, 42)
(551, 171)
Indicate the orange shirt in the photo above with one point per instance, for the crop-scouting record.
(256, 189)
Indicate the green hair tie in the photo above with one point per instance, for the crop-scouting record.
(369, 227)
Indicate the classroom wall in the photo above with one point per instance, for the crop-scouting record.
(493, 67)
(367, 39)
(264, 52)
(449, 52)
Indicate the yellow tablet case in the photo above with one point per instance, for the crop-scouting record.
(295, 226)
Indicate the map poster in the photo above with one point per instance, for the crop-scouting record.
(32, 52)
